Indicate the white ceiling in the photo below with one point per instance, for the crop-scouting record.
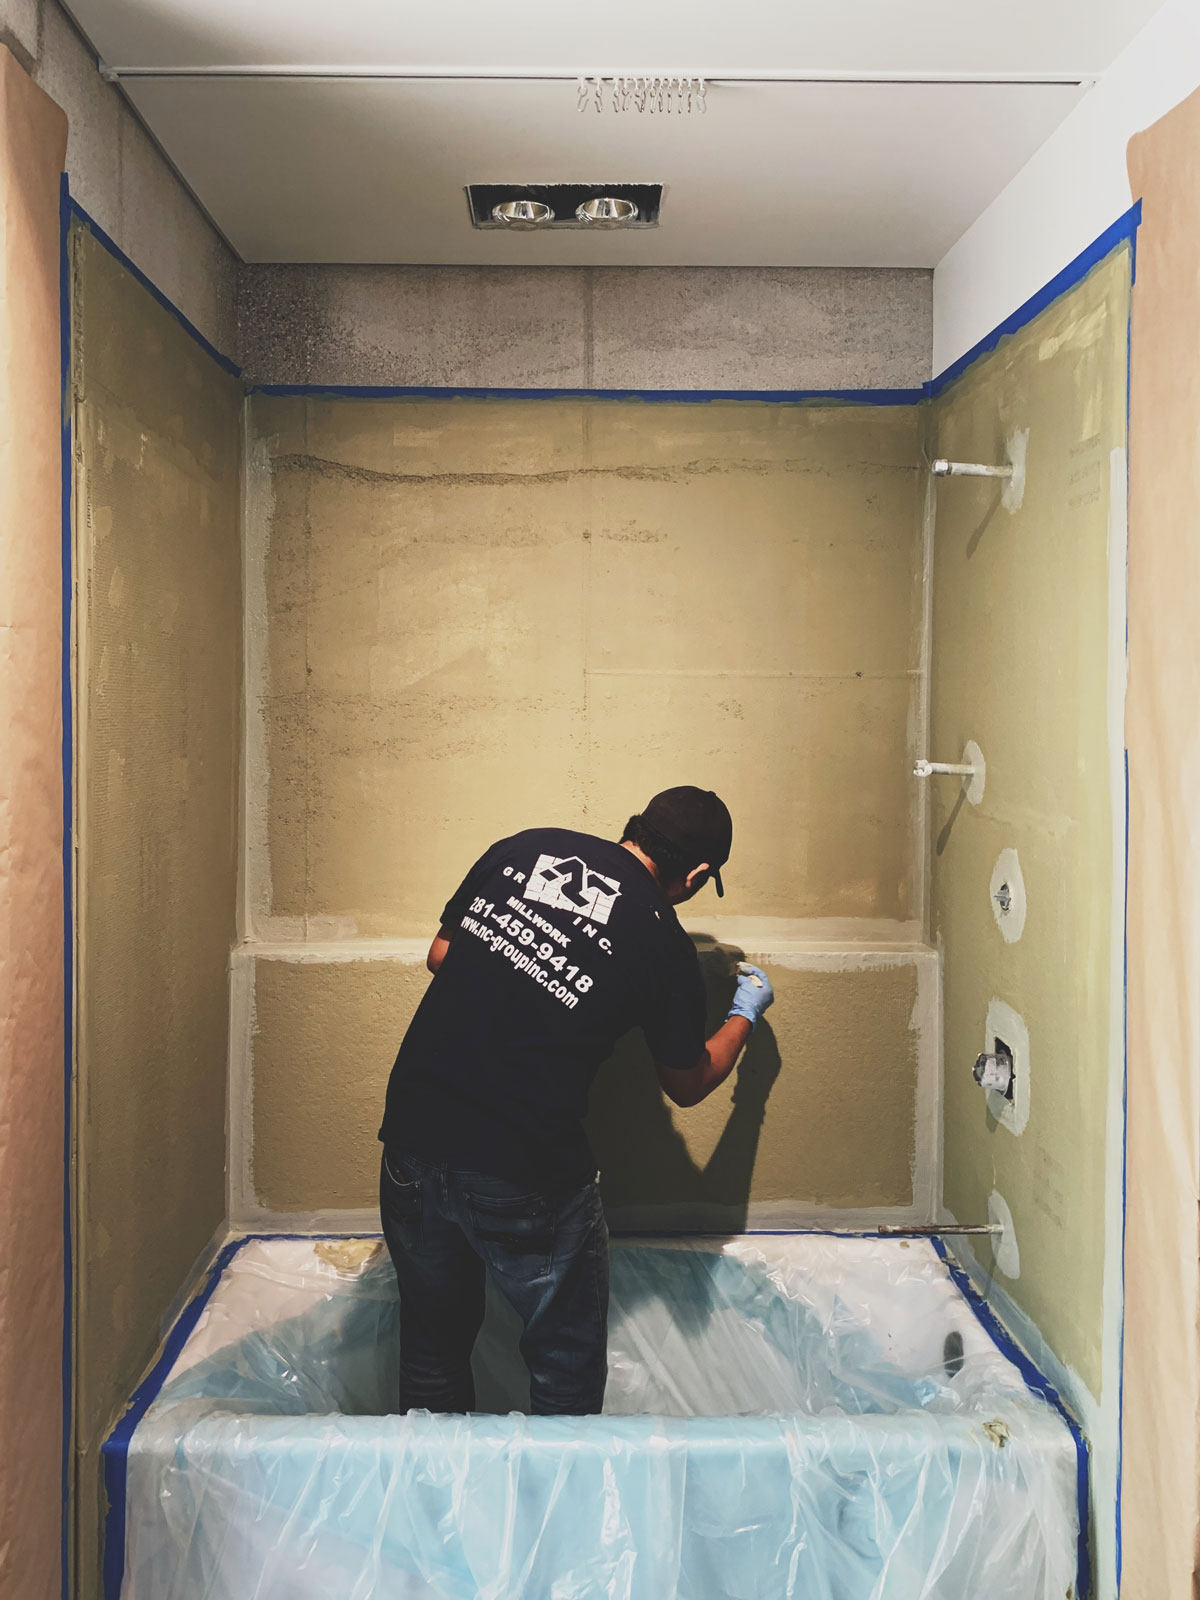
(300, 168)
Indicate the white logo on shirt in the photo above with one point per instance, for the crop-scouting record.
(569, 884)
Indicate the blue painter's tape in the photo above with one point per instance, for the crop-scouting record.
(856, 397)
(1118, 1545)
(68, 774)
(1124, 228)
(1124, 1190)
(114, 1452)
(1040, 1385)
(78, 214)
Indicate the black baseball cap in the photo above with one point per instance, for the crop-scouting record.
(696, 822)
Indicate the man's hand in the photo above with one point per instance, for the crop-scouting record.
(753, 993)
(750, 999)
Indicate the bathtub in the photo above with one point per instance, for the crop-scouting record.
(822, 1417)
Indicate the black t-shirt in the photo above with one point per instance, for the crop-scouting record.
(562, 942)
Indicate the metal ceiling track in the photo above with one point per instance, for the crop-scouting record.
(114, 74)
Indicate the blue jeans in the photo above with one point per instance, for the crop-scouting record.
(546, 1253)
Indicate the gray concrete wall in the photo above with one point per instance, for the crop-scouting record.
(119, 175)
(587, 327)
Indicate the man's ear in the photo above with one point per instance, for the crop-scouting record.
(695, 878)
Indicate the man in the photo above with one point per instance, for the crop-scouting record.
(554, 945)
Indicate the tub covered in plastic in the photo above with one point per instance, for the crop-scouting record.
(809, 1416)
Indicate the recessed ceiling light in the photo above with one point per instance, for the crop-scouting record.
(522, 213)
(606, 212)
(551, 207)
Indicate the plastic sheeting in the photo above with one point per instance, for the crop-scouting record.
(810, 1416)
(1159, 1521)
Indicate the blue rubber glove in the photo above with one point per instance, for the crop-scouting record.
(753, 993)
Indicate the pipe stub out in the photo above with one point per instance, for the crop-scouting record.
(972, 769)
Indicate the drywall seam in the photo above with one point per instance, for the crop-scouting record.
(257, 509)
(926, 1024)
(301, 929)
(920, 743)
(239, 1163)
(1105, 1431)
(843, 960)
(324, 952)
(412, 952)
(781, 933)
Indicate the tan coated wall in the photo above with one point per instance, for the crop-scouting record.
(32, 141)
(159, 676)
(472, 617)
(482, 616)
(820, 1113)
(1021, 664)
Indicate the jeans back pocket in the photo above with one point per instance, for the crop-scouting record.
(516, 1233)
(399, 1196)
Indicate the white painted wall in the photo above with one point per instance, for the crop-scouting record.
(119, 175)
(1069, 192)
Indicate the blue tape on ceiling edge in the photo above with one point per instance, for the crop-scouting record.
(1040, 1385)
(68, 808)
(78, 214)
(1124, 228)
(867, 397)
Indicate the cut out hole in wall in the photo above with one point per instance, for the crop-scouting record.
(1004, 1055)
(1006, 1027)
(1006, 893)
(995, 1069)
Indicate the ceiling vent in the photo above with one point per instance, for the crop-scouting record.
(571, 205)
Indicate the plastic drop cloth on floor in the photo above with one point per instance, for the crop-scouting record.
(806, 1416)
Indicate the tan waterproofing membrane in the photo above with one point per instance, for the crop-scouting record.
(33, 137)
(1021, 646)
(471, 617)
(489, 615)
(159, 682)
(1162, 1278)
(821, 1110)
